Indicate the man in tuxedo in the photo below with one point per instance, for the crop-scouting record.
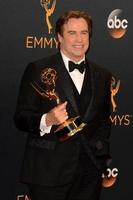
(71, 169)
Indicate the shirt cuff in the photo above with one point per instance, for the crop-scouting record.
(44, 129)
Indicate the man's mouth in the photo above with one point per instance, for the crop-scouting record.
(78, 46)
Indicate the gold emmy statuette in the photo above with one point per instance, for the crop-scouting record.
(49, 11)
(71, 126)
(115, 86)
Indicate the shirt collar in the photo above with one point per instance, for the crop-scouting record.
(66, 60)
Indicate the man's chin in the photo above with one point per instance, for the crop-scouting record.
(78, 56)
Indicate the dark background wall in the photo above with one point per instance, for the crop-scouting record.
(23, 21)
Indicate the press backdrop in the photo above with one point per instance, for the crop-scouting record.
(27, 35)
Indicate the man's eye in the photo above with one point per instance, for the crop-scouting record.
(71, 32)
(85, 32)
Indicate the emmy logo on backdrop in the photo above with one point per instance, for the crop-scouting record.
(48, 12)
(114, 90)
(71, 126)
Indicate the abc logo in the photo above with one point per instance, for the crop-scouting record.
(116, 24)
(113, 173)
(110, 178)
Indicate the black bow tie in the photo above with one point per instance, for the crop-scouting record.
(80, 66)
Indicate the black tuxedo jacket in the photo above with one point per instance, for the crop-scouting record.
(46, 160)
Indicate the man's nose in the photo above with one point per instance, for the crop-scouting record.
(79, 37)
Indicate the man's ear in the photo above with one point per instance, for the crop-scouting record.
(59, 37)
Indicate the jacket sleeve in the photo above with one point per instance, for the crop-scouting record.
(100, 142)
(27, 116)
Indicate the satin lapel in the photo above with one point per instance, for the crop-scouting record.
(65, 82)
(88, 115)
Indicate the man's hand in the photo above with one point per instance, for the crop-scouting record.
(57, 115)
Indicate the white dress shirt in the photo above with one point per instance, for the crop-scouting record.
(77, 79)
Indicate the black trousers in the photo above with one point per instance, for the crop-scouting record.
(86, 184)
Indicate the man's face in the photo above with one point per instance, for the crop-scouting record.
(74, 41)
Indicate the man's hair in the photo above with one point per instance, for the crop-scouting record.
(73, 14)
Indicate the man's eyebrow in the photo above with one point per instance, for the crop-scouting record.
(71, 31)
(85, 30)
